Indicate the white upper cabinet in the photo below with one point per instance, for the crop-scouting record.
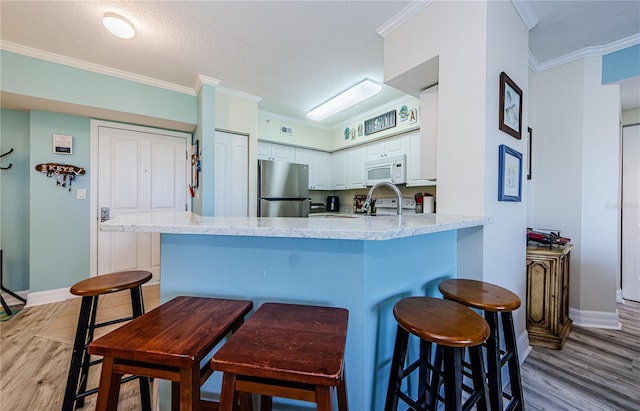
(421, 147)
(340, 167)
(276, 152)
(319, 167)
(392, 146)
(356, 167)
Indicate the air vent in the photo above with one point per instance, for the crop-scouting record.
(286, 130)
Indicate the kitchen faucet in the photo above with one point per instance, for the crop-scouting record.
(367, 202)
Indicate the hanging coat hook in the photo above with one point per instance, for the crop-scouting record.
(6, 154)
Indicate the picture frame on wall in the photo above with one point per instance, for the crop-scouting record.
(509, 174)
(510, 117)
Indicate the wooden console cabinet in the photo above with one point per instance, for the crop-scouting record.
(548, 322)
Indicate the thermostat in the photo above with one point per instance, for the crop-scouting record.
(62, 144)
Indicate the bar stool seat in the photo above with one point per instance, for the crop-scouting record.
(453, 327)
(494, 301)
(169, 343)
(286, 350)
(90, 290)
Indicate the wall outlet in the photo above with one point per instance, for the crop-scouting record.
(81, 193)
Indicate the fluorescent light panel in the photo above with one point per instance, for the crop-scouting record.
(355, 94)
(118, 26)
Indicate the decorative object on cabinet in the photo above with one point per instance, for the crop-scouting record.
(549, 237)
(64, 173)
(347, 133)
(6, 154)
(530, 133)
(413, 116)
(509, 174)
(360, 130)
(62, 144)
(379, 123)
(510, 120)
(548, 322)
(403, 113)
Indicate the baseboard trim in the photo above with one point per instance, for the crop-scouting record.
(595, 319)
(48, 297)
(619, 298)
(523, 346)
(57, 295)
(11, 300)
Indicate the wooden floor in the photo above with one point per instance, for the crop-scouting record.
(596, 370)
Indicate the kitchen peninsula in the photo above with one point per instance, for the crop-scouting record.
(364, 264)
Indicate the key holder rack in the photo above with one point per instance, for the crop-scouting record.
(64, 173)
(10, 164)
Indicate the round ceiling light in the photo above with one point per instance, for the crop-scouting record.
(118, 26)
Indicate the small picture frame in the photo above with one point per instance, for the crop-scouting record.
(509, 174)
(510, 117)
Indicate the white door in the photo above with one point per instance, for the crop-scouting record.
(138, 172)
(630, 213)
(231, 190)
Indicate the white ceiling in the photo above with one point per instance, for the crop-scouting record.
(292, 54)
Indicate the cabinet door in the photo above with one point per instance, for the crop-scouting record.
(264, 151)
(394, 146)
(540, 288)
(305, 156)
(321, 162)
(356, 167)
(339, 174)
(417, 174)
(281, 152)
(375, 150)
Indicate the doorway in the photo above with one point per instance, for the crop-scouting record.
(231, 187)
(631, 212)
(134, 169)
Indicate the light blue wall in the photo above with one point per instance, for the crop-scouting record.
(59, 229)
(52, 81)
(621, 64)
(14, 205)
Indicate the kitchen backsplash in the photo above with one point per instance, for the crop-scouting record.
(346, 196)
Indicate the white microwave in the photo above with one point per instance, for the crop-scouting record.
(388, 169)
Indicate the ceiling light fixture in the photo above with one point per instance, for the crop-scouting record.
(118, 26)
(361, 91)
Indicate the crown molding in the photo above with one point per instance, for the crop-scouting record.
(96, 68)
(592, 51)
(201, 80)
(526, 13)
(402, 17)
(239, 94)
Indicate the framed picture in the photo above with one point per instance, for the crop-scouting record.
(509, 174)
(510, 120)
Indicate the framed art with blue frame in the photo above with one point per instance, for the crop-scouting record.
(509, 174)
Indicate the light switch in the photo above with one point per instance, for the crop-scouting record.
(81, 194)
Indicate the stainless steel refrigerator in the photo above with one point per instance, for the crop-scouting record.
(283, 189)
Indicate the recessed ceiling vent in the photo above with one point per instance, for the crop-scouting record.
(286, 130)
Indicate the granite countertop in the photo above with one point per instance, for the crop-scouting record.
(340, 227)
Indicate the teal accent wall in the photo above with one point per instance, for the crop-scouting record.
(14, 199)
(59, 229)
(205, 132)
(621, 64)
(43, 79)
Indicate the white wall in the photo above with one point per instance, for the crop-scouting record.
(576, 175)
(318, 138)
(474, 42)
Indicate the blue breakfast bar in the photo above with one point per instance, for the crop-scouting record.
(364, 264)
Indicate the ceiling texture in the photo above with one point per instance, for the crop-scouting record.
(294, 55)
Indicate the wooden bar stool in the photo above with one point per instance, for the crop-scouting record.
(286, 350)
(169, 343)
(453, 327)
(90, 290)
(493, 300)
